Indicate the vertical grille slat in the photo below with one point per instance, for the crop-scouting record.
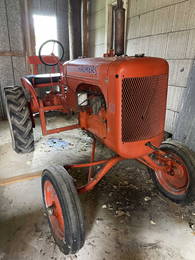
(143, 107)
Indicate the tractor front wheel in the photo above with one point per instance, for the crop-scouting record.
(180, 185)
(19, 119)
(63, 209)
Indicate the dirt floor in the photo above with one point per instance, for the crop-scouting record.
(125, 215)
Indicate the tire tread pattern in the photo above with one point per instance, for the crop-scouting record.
(19, 120)
(71, 208)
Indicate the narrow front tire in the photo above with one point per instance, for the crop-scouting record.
(63, 209)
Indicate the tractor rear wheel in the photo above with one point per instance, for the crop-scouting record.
(19, 119)
(180, 186)
(63, 209)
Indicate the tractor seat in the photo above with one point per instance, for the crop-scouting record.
(43, 78)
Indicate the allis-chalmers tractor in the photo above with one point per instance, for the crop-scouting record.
(120, 101)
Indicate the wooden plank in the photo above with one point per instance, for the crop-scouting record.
(4, 42)
(12, 53)
(75, 41)
(108, 27)
(20, 178)
(28, 30)
(15, 25)
(62, 26)
(85, 29)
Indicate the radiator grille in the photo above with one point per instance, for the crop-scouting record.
(143, 107)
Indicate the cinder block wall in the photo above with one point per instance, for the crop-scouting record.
(159, 28)
(165, 28)
(97, 20)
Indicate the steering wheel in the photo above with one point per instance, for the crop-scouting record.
(51, 59)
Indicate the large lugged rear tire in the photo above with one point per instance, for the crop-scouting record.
(63, 209)
(19, 119)
(180, 187)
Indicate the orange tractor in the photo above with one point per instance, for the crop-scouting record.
(120, 101)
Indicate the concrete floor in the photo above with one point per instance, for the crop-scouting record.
(126, 217)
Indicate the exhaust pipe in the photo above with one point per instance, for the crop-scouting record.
(119, 28)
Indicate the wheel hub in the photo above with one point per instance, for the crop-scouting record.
(50, 210)
(54, 209)
(175, 178)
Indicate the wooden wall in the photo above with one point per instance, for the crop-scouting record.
(12, 60)
(12, 37)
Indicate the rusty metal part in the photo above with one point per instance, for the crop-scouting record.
(83, 165)
(170, 170)
(74, 18)
(92, 160)
(109, 163)
(119, 28)
(91, 184)
(93, 180)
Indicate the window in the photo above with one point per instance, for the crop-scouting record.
(45, 28)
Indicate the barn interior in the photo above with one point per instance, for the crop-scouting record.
(125, 215)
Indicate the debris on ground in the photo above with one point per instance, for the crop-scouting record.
(120, 213)
(147, 198)
(192, 226)
(57, 143)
